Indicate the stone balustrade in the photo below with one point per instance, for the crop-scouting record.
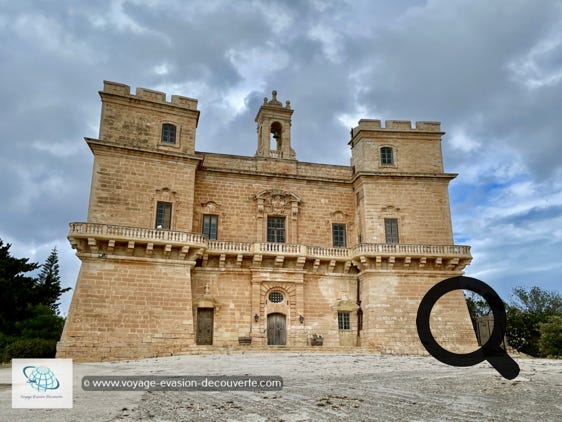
(410, 250)
(142, 235)
(109, 231)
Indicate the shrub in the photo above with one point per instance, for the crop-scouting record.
(5, 340)
(551, 336)
(30, 348)
(42, 323)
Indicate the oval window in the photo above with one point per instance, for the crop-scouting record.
(276, 297)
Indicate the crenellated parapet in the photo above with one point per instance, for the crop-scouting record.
(145, 94)
(396, 146)
(146, 120)
(396, 126)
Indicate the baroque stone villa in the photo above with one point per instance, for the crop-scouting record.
(186, 249)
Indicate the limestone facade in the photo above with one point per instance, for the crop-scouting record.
(186, 250)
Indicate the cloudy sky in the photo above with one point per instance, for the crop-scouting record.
(491, 72)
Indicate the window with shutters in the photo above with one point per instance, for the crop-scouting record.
(276, 229)
(338, 235)
(210, 226)
(344, 323)
(163, 215)
(391, 230)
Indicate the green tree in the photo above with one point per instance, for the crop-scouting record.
(528, 309)
(477, 305)
(522, 331)
(537, 301)
(17, 289)
(551, 336)
(43, 323)
(49, 282)
(29, 324)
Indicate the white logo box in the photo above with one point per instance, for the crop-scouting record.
(42, 383)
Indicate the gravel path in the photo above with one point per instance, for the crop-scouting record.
(359, 387)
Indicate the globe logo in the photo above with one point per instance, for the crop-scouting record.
(41, 378)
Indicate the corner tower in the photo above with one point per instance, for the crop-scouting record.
(401, 189)
(274, 129)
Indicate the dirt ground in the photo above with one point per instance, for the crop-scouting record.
(358, 387)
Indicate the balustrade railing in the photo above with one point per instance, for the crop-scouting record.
(135, 233)
(280, 248)
(415, 250)
(320, 251)
(109, 231)
(226, 246)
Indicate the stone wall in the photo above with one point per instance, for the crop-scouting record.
(420, 205)
(126, 186)
(232, 198)
(128, 309)
(390, 301)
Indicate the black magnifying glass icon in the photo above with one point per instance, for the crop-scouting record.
(490, 351)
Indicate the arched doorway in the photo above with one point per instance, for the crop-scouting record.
(276, 330)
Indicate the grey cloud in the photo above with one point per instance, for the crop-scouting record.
(467, 64)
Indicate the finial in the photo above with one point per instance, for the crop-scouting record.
(273, 95)
(287, 104)
(264, 100)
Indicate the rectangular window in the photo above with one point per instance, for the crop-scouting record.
(168, 133)
(387, 156)
(343, 321)
(276, 229)
(338, 235)
(163, 215)
(391, 230)
(210, 224)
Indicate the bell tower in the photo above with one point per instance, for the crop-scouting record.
(274, 129)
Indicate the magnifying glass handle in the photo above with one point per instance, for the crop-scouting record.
(503, 363)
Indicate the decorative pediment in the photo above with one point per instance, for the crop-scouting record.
(165, 194)
(210, 207)
(207, 300)
(344, 304)
(339, 215)
(277, 201)
(390, 209)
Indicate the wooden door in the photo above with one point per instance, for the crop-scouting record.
(205, 325)
(276, 331)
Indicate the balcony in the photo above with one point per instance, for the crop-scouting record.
(141, 234)
(142, 242)
(410, 250)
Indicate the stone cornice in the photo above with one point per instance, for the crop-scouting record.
(98, 143)
(380, 174)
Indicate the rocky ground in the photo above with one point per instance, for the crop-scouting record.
(359, 387)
